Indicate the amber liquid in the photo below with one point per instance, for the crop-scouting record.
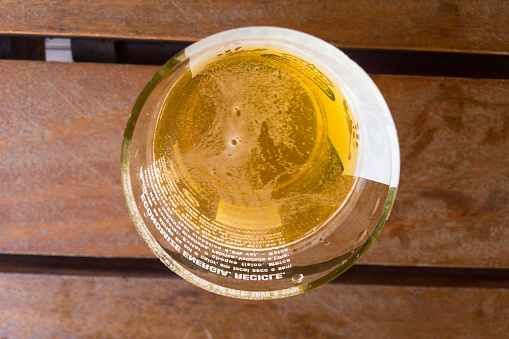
(257, 148)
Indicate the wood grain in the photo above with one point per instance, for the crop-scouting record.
(61, 127)
(436, 25)
(48, 306)
(452, 206)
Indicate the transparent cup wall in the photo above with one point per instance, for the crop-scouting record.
(287, 269)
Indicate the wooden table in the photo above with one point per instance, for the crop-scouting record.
(72, 264)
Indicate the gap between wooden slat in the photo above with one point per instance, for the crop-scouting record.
(374, 61)
(358, 274)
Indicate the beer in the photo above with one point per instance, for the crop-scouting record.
(255, 148)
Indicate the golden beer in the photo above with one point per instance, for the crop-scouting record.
(255, 147)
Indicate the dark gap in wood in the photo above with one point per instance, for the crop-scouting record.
(395, 62)
(463, 65)
(146, 52)
(132, 52)
(425, 276)
(22, 48)
(358, 274)
(94, 266)
(94, 50)
(374, 61)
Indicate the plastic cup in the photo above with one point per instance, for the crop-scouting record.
(226, 220)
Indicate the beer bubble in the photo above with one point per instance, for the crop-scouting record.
(326, 243)
(234, 142)
(297, 279)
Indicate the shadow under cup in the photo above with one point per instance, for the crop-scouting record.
(260, 163)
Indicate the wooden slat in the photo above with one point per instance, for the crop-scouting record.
(452, 206)
(438, 25)
(61, 127)
(49, 306)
